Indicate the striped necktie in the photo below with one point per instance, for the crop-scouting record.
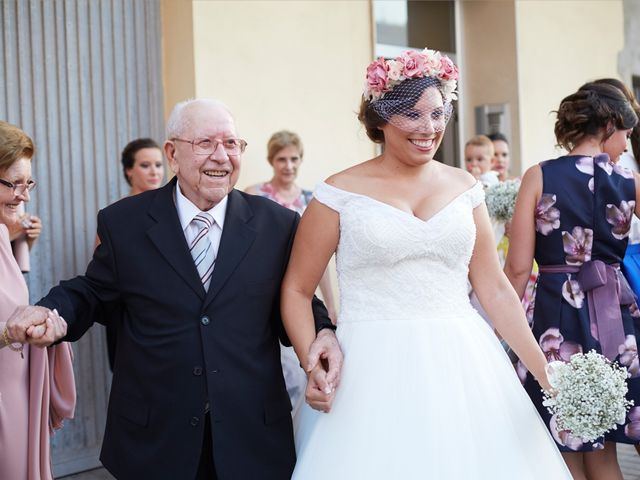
(201, 248)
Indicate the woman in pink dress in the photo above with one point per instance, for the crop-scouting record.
(37, 387)
(284, 154)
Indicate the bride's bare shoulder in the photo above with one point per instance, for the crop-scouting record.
(351, 178)
(457, 177)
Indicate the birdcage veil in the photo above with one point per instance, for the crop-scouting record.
(414, 91)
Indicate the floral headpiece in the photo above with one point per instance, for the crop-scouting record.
(383, 75)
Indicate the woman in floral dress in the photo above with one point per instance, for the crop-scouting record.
(573, 216)
(284, 154)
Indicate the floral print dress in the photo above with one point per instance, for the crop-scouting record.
(583, 215)
(298, 205)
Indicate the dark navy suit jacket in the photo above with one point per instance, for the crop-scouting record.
(180, 347)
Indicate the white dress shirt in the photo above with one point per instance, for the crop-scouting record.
(187, 212)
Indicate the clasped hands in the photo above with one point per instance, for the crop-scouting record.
(35, 325)
(323, 368)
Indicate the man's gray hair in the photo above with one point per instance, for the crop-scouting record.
(178, 121)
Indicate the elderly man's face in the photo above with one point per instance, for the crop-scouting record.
(205, 179)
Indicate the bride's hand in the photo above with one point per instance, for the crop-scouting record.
(543, 380)
(319, 393)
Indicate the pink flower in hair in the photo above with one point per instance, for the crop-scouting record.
(433, 60)
(377, 79)
(414, 64)
(448, 70)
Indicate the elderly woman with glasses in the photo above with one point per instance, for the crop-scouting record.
(37, 387)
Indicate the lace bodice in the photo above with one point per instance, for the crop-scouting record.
(393, 266)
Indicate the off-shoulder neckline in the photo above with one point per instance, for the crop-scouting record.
(404, 212)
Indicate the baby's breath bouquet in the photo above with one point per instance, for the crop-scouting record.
(501, 199)
(589, 395)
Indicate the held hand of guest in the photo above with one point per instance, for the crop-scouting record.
(318, 394)
(16, 228)
(325, 349)
(51, 331)
(33, 228)
(22, 319)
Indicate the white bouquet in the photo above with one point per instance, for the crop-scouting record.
(501, 199)
(589, 395)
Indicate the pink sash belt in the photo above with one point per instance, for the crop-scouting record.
(606, 290)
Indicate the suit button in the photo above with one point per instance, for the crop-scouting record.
(215, 370)
(194, 421)
(197, 371)
(205, 321)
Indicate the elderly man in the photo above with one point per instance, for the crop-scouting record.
(197, 388)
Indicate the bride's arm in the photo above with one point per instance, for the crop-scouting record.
(315, 242)
(500, 301)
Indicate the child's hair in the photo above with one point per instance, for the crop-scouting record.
(481, 141)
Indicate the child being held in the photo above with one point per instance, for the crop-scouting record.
(478, 152)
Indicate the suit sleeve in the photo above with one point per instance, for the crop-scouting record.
(84, 299)
(320, 314)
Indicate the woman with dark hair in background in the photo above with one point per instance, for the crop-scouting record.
(143, 170)
(501, 162)
(573, 215)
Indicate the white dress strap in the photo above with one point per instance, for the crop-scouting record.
(332, 197)
(476, 194)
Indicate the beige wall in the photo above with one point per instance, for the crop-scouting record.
(177, 52)
(489, 65)
(557, 54)
(287, 65)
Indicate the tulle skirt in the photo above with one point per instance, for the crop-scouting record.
(433, 398)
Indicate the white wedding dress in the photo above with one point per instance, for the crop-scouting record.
(427, 392)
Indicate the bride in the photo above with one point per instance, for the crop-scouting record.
(426, 390)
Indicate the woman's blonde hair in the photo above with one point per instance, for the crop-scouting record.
(14, 145)
(280, 140)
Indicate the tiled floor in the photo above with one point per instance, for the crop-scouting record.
(629, 461)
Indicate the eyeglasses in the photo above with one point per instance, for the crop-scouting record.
(19, 188)
(207, 146)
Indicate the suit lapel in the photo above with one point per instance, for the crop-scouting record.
(168, 237)
(237, 238)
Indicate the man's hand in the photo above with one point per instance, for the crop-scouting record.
(22, 319)
(325, 353)
(319, 395)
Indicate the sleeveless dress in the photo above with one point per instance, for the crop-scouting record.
(583, 218)
(294, 376)
(427, 392)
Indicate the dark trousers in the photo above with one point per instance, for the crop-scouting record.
(206, 467)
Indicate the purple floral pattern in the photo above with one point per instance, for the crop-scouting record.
(632, 429)
(578, 245)
(572, 293)
(556, 348)
(585, 165)
(629, 356)
(620, 218)
(583, 215)
(547, 216)
(564, 437)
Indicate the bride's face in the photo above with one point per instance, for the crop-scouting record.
(422, 129)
